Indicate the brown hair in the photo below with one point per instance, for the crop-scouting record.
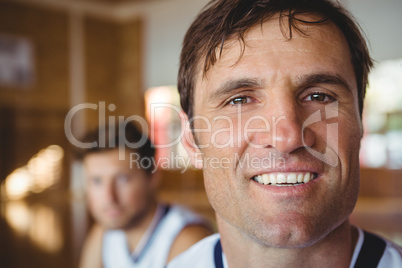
(222, 20)
(111, 137)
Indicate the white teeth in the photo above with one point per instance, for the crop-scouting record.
(272, 179)
(307, 177)
(265, 178)
(292, 178)
(300, 177)
(282, 179)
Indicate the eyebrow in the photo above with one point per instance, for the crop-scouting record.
(229, 86)
(243, 83)
(324, 78)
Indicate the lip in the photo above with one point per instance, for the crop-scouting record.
(291, 167)
(295, 191)
(300, 168)
(113, 213)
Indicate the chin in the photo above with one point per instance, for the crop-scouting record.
(290, 236)
(114, 227)
(291, 240)
(113, 224)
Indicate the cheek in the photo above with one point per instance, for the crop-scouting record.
(135, 194)
(95, 201)
(129, 194)
(222, 136)
(219, 177)
(216, 188)
(342, 135)
(350, 133)
(218, 131)
(234, 131)
(93, 195)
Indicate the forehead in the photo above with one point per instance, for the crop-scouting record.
(268, 46)
(103, 161)
(274, 35)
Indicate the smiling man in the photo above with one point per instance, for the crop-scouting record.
(282, 81)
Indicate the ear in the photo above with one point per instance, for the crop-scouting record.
(188, 142)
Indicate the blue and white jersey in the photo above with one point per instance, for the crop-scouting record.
(153, 249)
(370, 251)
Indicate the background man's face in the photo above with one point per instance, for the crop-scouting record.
(285, 82)
(118, 195)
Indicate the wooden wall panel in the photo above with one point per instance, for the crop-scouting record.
(113, 67)
(48, 33)
(380, 182)
(33, 117)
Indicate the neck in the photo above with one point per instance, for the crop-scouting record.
(335, 250)
(136, 230)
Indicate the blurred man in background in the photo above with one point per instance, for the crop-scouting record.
(275, 80)
(132, 229)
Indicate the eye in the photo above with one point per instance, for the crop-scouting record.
(240, 100)
(122, 178)
(319, 97)
(96, 181)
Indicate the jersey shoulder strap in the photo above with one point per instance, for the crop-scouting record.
(218, 254)
(371, 252)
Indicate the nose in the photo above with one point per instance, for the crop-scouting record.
(110, 193)
(286, 133)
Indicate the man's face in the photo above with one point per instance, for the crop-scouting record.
(118, 196)
(261, 115)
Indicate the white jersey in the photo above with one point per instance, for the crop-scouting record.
(153, 249)
(370, 251)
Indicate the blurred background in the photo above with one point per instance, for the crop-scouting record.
(121, 56)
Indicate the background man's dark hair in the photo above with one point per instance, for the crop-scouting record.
(222, 20)
(111, 137)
